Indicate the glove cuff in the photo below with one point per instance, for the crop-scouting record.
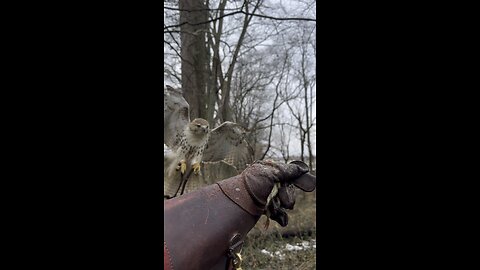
(236, 190)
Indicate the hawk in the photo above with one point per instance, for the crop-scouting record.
(191, 142)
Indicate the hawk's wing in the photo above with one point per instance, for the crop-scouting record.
(171, 178)
(227, 142)
(175, 116)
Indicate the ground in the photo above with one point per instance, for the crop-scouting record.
(292, 247)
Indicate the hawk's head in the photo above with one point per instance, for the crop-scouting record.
(199, 126)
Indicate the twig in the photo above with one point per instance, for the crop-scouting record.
(183, 183)
(187, 176)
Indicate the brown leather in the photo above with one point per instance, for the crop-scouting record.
(238, 193)
(167, 259)
(261, 176)
(199, 226)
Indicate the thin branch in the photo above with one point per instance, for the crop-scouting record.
(201, 9)
(240, 12)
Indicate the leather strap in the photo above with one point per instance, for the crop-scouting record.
(236, 244)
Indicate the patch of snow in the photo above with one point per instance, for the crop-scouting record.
(304, 245)
(266, 252)
(290, 247)
(280, 255)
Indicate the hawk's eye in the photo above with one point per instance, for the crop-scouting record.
(198, 125)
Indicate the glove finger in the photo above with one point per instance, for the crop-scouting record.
(306, 181)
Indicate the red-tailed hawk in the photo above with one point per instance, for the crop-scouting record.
(191, 142)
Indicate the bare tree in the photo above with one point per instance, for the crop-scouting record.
(284, 147)
(222, 80)
(194, 54)
(307, 89)
(306, 83)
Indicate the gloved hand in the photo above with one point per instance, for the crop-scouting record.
(270, 185)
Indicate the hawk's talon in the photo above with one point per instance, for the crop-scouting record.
(196, 168)
(182, 166)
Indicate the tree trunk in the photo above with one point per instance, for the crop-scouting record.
(302, 144)
(309, 143)
(194, 55)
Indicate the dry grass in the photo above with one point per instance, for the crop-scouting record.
(301, 227)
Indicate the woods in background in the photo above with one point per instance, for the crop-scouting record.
(251, 62)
